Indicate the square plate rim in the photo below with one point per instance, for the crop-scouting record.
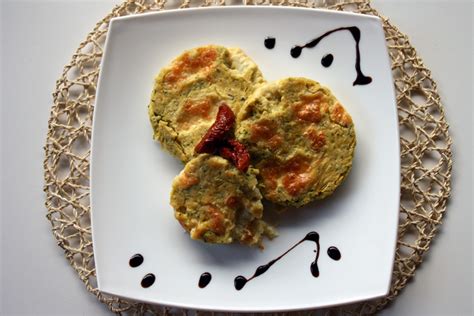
(253, 309)
(183, 11)
(190, 10)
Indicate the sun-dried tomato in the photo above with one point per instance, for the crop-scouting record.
(216, 140)
(218, 131)
(236, 152)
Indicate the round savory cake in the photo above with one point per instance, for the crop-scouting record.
(188, 92)
(300, 138)
(217, 203)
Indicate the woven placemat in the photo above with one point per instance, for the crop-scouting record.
(425, 152)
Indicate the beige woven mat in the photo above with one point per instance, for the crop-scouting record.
(425, 152)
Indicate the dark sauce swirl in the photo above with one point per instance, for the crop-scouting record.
(240, 281)
(361, 79)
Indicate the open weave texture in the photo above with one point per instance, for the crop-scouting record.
(424, 140)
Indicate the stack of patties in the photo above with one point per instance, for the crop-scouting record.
(300, 140)
(212, 199)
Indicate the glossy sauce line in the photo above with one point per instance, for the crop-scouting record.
(240, 281)
(355, 32)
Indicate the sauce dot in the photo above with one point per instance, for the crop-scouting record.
(148, 280)
(295, 52)
(239, 282)
(135, 260)
(334, 253)
(269, 42)
(327, 60)
(204, 280)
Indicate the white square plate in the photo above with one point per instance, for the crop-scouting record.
(131, 175)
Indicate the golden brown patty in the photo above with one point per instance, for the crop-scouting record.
(217, 203)
(300, 138)
(188, 92)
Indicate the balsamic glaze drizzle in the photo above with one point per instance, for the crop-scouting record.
(355, 32)
(135, 260)
(240, 281)
(269, 42)
(204, 280)
(148, 280)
